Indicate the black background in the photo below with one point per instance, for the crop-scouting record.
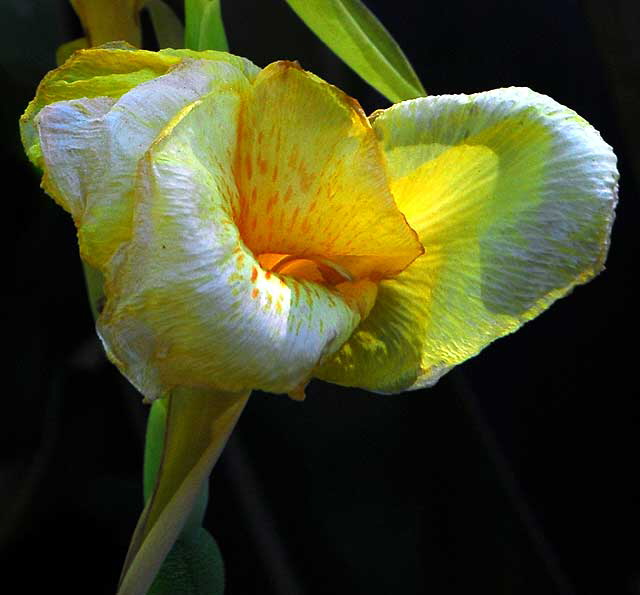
(514, 475)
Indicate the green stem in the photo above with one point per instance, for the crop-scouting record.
(186, 432)
(196, 426)
(153, 452)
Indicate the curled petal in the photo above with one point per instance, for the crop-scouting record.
(91, 149)
(189, 304)
(99, 72)
(108, 71)
(512, 196)
(72, 140)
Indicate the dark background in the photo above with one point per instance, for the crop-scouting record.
(514, 475)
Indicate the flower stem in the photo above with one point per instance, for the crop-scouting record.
(154, 447)
(198, 424)
(186, 432)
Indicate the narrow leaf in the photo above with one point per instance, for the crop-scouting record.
(204, 27)
(167, 26)
(153, 453)
(154, 446)
(212, 35)
(197, 428)
(353, 32)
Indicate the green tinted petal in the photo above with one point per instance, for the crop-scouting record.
(100, 72)
(66, 50)
(108, 71)
(512, 196)
(248, 68)
(90, 164)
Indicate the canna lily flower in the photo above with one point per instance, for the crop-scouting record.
(255, 229)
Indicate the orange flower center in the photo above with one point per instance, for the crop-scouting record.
(318, 269)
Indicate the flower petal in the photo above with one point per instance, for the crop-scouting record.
(311, 178)
(98, 72)
(245, 66)
(107, 71)
(110, 20)
(91, 149)
(72, 141)
(188, 304)
(512, 196)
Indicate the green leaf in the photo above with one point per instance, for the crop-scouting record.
(353, 32)
(167, 26)
(153, 453)
(204, 27)
(154, 445)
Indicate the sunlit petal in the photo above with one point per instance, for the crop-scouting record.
(312, 181)
(512, 196)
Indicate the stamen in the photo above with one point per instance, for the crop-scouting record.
(320, 270)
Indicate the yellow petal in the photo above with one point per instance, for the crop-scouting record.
(188, 302)
(311, 178)
(512, 196)
(110, 20)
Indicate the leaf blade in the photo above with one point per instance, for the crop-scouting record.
(204, 28)
(168, 28)
(212, 35)
(354, 33)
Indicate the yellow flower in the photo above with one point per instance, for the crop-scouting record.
(255, 229)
